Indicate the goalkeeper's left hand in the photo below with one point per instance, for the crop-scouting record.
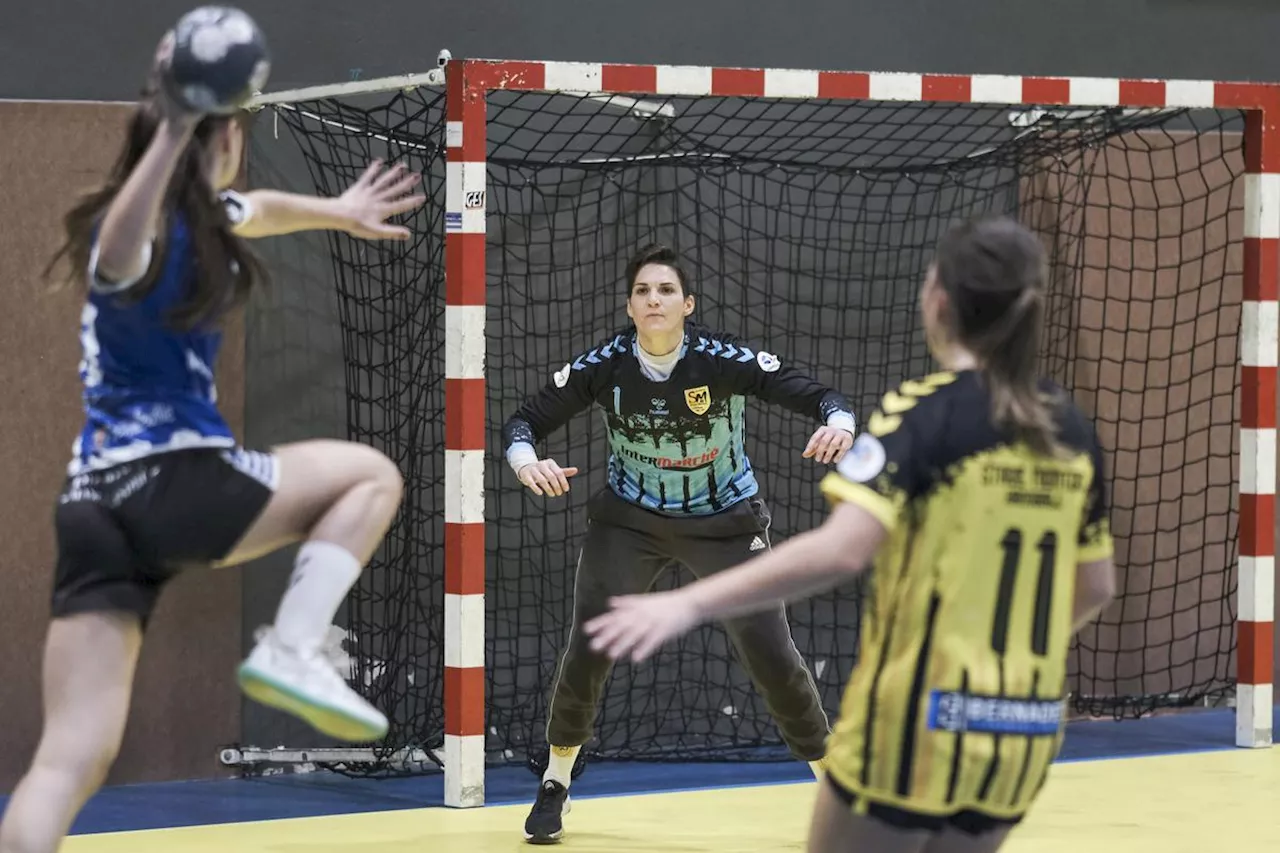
(828, 444)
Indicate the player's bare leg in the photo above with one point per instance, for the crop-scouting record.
(955, 841)
(340, 497)
(836, 829)
(89, 662)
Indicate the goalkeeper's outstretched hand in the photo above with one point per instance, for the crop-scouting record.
(828, 445)
(546, 477)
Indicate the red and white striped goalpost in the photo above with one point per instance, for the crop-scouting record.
(464, 420)
(468, 83)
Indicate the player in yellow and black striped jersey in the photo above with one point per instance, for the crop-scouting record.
(977, 494)
(958, 702)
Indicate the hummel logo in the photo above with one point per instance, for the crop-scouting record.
(915, 388)
(757, 544)
(880, 424)
(895, 404)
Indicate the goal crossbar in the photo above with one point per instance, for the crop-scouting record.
(467, 83)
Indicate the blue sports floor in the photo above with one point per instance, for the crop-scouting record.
(205, 803)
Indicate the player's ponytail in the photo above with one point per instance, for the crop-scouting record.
(225, 267)
(993, 272)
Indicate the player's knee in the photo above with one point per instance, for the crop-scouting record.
(776, 665)
(585, 667)
(92, 771)
(381, 478)
(386, 475)
(84, 769)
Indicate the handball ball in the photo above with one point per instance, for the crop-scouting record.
(214, 60)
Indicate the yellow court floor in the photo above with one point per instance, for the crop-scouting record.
(1198, 803)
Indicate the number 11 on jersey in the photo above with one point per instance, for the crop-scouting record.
(1011, 545)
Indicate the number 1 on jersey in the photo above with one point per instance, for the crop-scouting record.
(1048, 548)
(1011, 545)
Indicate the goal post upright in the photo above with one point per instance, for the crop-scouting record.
(464, 415)
(1259, 353)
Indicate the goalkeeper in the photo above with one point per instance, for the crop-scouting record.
(680, 488)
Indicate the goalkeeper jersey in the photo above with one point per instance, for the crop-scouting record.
(675, 446)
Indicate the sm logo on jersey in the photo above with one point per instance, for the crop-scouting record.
(698, 399)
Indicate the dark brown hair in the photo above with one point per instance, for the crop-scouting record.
(656, 253)
(224, 268)
(993, 271)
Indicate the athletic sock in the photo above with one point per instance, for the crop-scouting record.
(560, 764)
(323, 574)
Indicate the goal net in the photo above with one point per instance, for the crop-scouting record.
(807, 225)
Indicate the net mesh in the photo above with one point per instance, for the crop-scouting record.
(807, 227)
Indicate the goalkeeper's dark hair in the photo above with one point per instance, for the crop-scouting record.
(993, 271)
(656, 253)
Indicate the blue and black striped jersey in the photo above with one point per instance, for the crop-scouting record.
(676, 446)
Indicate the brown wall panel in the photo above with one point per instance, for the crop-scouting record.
(185, 701)
(1154, 280)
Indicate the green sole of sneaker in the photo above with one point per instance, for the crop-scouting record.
(322, 718)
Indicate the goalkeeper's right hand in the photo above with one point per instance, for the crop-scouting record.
(546, 477)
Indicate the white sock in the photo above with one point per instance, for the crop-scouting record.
(819, 767)
(322, 576)
(560, 764)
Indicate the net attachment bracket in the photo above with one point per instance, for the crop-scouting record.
(251, 757)
(1033, 116)
(405, 82)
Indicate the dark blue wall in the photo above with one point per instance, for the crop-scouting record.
(76, 49)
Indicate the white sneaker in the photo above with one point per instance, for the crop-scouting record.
(308, 686)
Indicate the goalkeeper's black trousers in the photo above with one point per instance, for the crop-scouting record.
(626, 548)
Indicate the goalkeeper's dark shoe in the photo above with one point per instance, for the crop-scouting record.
(544, 826)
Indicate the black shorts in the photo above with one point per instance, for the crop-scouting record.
(968, 821)
(123, 532)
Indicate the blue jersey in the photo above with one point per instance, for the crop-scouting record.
(148, 387)
(675, 446)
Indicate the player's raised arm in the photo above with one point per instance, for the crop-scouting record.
(764, 375)
(572, 390)
(121, 254)
(361, 211)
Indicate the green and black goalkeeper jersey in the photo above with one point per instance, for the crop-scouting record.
(676, 446)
